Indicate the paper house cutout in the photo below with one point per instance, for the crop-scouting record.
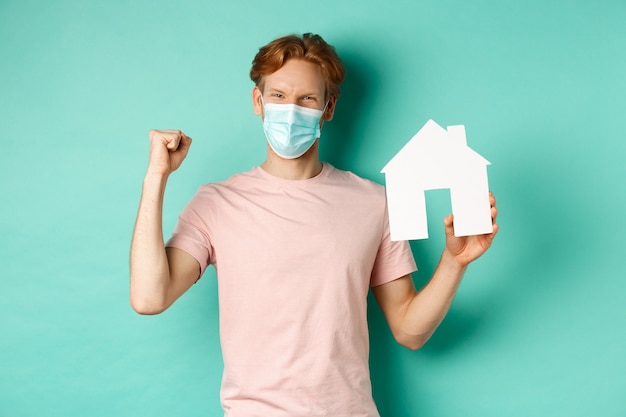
(436, 158)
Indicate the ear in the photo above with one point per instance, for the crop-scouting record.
(257, 104)
(330, 108)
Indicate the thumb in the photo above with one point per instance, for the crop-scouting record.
(185, 143)
(448, 223)
(185, 140)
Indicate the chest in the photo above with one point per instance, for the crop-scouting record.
(287, 229)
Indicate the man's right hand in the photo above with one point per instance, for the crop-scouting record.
(168, 149)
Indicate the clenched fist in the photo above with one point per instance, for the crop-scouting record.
(168, 149)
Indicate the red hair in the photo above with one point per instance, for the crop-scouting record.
(308, 47)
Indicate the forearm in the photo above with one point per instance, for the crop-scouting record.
(428, 307)
(149, 268)
(414, 316)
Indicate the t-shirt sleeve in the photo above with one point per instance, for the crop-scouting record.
(393, 260)
(191, 234)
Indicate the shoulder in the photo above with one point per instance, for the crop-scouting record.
(236, 181)
(355, 181)
(215, 194)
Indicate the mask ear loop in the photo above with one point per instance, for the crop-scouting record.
(324, 110)
(262, 104)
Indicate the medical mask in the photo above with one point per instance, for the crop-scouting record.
(290, 129)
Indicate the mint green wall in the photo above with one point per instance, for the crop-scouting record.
(538, 327)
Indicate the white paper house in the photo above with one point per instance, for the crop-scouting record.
(436, 158)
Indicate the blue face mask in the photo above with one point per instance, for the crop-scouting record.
(290, 129)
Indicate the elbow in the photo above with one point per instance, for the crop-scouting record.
(146, 307)
(145, 299)
(413, 345)
(411, 342)
(146, 311)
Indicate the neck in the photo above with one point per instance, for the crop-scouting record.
(302, 168)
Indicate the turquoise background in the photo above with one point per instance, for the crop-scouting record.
(538, 326)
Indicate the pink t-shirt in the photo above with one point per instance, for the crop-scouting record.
(294, 261)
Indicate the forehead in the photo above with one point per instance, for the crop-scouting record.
(296, 75)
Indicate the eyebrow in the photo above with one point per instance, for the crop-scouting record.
(278, 90)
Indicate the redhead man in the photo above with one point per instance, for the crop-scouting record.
(296, 244)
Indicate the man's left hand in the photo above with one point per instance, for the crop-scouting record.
(466, 249)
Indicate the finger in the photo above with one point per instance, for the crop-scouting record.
(169, 138)
(494, 214)
(492, 199)
(494, 232)
(172, 139)
(448, 223)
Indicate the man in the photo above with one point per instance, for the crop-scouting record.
(296, 244)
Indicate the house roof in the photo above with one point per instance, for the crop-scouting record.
(435, 148)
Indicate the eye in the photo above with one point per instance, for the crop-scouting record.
(278, 95)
